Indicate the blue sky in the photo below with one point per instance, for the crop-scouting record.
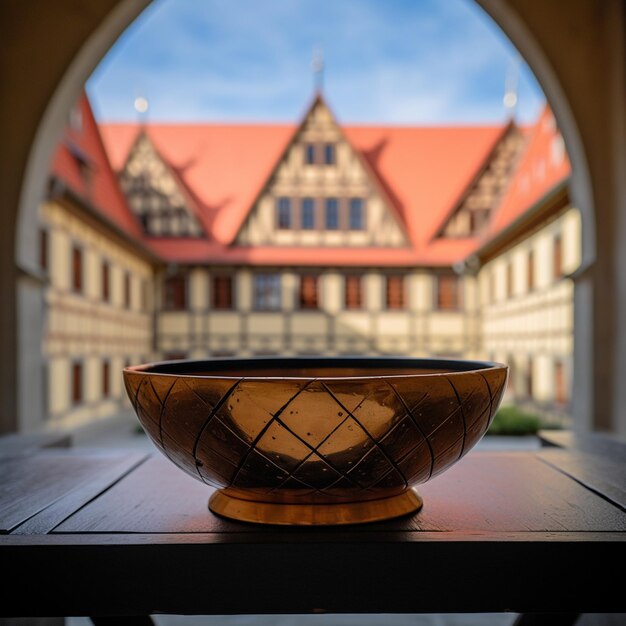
(386, 61)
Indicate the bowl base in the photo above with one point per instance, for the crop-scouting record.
(226, 505)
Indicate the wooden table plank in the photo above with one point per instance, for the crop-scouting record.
(496, 532)
(31, 484)
(312, 572)
(485, 492)
(101, 480)
(603, 474)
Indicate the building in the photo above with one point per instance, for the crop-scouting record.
(98, 278)
(318, 238)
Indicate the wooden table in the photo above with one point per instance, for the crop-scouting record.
(124, 534)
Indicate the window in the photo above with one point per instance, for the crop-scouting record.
(492, 286)
(77, 269)
(329, 154)
(307, 220)
(353, 293)
(309, 153)
(308, 292)
(332, 214)
(105, 277)
(560, 385)
(448, 292)
(509, 280)
(106, 379)
(222, 292)
(144, 294)
(43, 249)
(267, 292)
(557, 258)
(127, 290)
(284, 213)
(478, 220)
(529, 378)
(175, 293)
(530, 271)
(395, 292)
(77, 382)
(356, 216)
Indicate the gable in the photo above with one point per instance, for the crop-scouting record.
(322, 193)
(155, 195)
(471, 215)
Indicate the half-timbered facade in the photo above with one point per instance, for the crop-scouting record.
(320, 238)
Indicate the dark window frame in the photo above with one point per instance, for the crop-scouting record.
(106, 378)
(561, 395)
(216, 302)
(352, 203)
(78, 383)
(284, 213)
(261, 293)
(510, 280)
(353, 284)
(332, 202)
(530, 272)
(78, 283)
(173, 300)
(128, 295)
(446, 299)
(307, 200)
(44, 250)
(401, 303)
(557, 257)
(330, 153)
(105, 280)
(310, 154)
(304, 303)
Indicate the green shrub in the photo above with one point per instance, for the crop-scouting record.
(510, 420)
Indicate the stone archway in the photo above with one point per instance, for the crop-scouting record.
(544, 34)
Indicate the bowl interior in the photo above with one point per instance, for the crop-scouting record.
(313, 367)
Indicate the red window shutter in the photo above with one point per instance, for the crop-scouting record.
(222, 292)
(395, 292)
(353, 295)
(308, 292)
(448, 293)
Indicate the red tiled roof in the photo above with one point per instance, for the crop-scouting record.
(99, 188)
(221, 169)
(423, 171)
(543, 165)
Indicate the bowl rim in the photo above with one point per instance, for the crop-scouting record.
(464, 366)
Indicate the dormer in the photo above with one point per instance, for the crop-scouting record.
(156, 194)
(473, 211)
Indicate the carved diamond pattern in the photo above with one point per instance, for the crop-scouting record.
(326, 437)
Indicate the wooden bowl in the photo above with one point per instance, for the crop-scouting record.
(315, 440)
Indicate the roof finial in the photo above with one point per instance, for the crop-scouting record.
(317, 65)
(511, 83)
(141, 105)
